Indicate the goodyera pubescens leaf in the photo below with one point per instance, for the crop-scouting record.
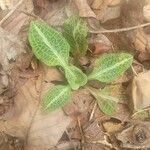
(110, 66)
(50, 47)
(76, 77)
(75, 31)
(106, 102)
(56, 97)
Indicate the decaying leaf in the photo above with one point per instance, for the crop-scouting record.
(39, 130)
(140, 91)
(95, 137)
(99, 44)
(79, 104)
(84, 9)
(106, 10)
(112, 127)
(132, 18)
(6, 4)
(19, 18)
(136, 136)
(10, 48)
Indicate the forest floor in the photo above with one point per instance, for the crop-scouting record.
(113, 26)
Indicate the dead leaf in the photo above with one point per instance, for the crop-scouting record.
(99, 44)
(95, 137)
(8, 142)
(79, 104)
(57, 15)
(140, 91)
(106, 10)
(39, 130)
(136, 136)
(6, 4)
(19, 17)
(84, 9)
(10, 48)
(146, 12)
(132, 18)
(112, 127)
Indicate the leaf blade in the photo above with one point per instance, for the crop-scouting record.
(110, 66)
(56, 97)
(75, 31)
(48, 45)
(76, 78)
(106, 102)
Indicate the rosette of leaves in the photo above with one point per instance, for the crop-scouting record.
(51, 47)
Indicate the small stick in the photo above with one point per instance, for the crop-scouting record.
(93, 110)
(81, 132)
(133, 70)
(11, 12)
(121, 29)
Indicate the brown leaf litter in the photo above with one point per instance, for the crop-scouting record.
(26, 121)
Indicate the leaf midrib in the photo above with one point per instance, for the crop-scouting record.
(63, 63)
(108, 69)
(57, 97)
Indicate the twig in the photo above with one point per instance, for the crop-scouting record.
(81, 132)
(11, 12)
(122, 29)
(93, 110)
(133, 70)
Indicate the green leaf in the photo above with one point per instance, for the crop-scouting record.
(75, 31)
(75, 77)
(106, 103)
(56, 97)
(48, 45)
(110, 66)
(141, 114)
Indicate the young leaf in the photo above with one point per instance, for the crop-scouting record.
(110, 66)
(48, 45)
(106, 103)
(75, 77)
(75, 31)
(56, 97)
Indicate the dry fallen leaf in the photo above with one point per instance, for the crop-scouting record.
(140, 91)
(136, 136)
(19, 17)
(6, 4)
(112, 127)
(79, 104)
(84, 9)
(99, 44)
(39, 130)
(132, 18)
(10, 48)
(106, 10)
(95, 137)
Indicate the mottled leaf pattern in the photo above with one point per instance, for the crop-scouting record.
(51, 47)
(75, 31)
(75, 77)
(110, 66)
(56, 97)
(106, 102)
(48, 45)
